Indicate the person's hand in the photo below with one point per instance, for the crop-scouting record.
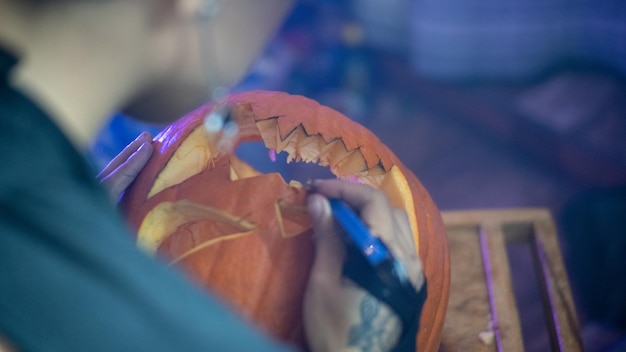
(123, 169)
(338, 315)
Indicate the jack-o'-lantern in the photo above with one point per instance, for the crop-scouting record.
(245, 235)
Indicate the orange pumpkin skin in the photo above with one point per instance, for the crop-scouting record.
(256, 251)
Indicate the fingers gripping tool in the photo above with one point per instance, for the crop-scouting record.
(372, 266)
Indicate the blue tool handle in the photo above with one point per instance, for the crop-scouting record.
(361, 236)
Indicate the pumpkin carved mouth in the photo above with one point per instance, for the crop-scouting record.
(243, 233)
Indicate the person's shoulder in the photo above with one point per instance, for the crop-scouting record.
(20, 119)
(30, 143)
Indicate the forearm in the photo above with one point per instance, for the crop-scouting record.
(370, 327)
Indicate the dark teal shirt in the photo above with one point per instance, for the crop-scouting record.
(71, 278)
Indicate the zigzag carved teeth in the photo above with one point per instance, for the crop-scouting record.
(377, 170)
(309, 148)
(292, 142)
(302, 146)
(353, 161)
(264, 127)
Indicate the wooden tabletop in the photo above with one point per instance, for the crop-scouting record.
(483, 312)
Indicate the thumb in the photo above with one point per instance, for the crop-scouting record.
(120, 178)
(330, 250)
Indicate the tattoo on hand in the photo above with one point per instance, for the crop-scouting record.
(378, 329)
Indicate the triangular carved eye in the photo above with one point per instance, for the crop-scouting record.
(244, 234)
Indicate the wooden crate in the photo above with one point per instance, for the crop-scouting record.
(482, 299)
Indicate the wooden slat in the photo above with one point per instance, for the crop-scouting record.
(469, 313)
(504, 313)
(561, 302)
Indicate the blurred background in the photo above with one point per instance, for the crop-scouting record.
(492, 104)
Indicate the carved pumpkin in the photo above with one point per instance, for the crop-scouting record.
(246, 235)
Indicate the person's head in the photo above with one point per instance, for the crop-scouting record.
(165, 49)
(226, 45)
